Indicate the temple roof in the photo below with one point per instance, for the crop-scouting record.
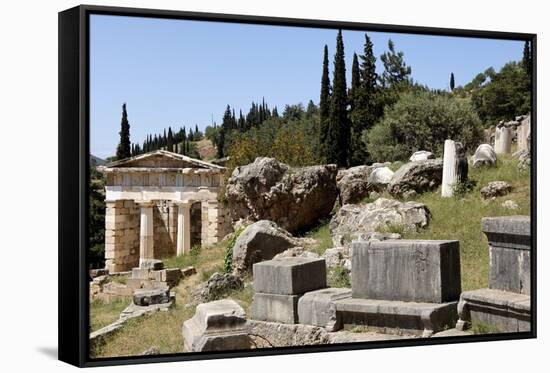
(159, 160)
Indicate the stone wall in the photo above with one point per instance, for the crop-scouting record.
(121, 235)
(216, 222)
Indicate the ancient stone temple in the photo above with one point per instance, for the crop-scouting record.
(160, 204)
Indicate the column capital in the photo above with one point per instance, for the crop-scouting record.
(184, 203)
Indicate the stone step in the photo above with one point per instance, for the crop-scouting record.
(147, 297)
(416, 318)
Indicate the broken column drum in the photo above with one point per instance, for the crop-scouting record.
(503, 140)
(455, 167)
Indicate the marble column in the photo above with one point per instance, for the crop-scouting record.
(184, 228)
(455, 167)
(503, 140)
(146, 229)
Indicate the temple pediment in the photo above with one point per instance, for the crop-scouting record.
(159, 160)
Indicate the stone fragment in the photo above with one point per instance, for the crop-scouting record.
(260, 241)
(365, 220)
(495, 189)
(296, 252)
(188, 271)
(153, 350)
(318, 308)
(216, 326)
(380, 177)
(289, 276)
(265, 334)
(218, 286)
(502, 311)
(510, 204)
(152, 264)
(98, 272)
(417, 177)
(295, 199)
(455, 167)
(147, 297)
(275, 307)
(421, 155)
(406, 270)
(484, 155)
(509, 252)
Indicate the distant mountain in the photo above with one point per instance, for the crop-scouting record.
(96, 161)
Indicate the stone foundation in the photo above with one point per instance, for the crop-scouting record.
(121, 235)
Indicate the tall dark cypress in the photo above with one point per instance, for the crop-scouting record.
(338, 138)
(527, 61)
(123, 149)
(452, 82)
(324, 107)
(357, 103)
(170, 140)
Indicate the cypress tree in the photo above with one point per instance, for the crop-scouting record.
(338, 137)
(123, 148)
(324, 107)
(526, 60)
(452, 82)
(275, 113)
(170, 140)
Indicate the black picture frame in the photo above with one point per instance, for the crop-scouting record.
(74, 173)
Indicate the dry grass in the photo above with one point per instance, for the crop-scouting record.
(104, 313)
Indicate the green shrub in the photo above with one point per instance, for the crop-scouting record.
(228, 259)
(422, 120)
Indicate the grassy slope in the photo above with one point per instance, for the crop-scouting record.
(453, 218)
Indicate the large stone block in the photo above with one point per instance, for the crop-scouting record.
(317, 308)
(396, 316)
(509, 252)
(275, 307)
(502, 311)
(216, 326)
(147, 297)
(406, 270)
(289, 276)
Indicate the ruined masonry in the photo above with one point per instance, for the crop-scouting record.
(160, 204)
(409, 286)
(455, 167)
(506, 304)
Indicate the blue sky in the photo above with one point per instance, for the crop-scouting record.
(181, 73)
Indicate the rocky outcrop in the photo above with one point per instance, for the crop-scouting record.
(484, 156)
(296, 252)
(260, 241)
(416, 177)
(364, 221)
(353, 184)
(495, 189)
(217, 286)
(295, 199)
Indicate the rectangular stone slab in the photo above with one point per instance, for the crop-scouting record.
(406, 270)
(317, 308)
(509, 252)
(396, 316)
(503, 311)
(275, 307)
(289, 276)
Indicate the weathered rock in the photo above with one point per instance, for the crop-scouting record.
(524, 158)
(380, 177)
(216, 326)
(318, 308)
(152, 264)
(217, 286)
(353, 184)
(421, 155)
(293, 198)
(335, 256)
(417, 177)
(485, 155)
(510, 204)
(98, 272)
(420, 270)
(260, 241)
(495, 189)
(352, 221)
(188, 271)
(289, 276)
(296, 252)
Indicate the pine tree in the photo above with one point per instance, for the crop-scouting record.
(338, 138)
(396, 72)
(452, 82)
(324, 107)
(275, 113)
(123, 148)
